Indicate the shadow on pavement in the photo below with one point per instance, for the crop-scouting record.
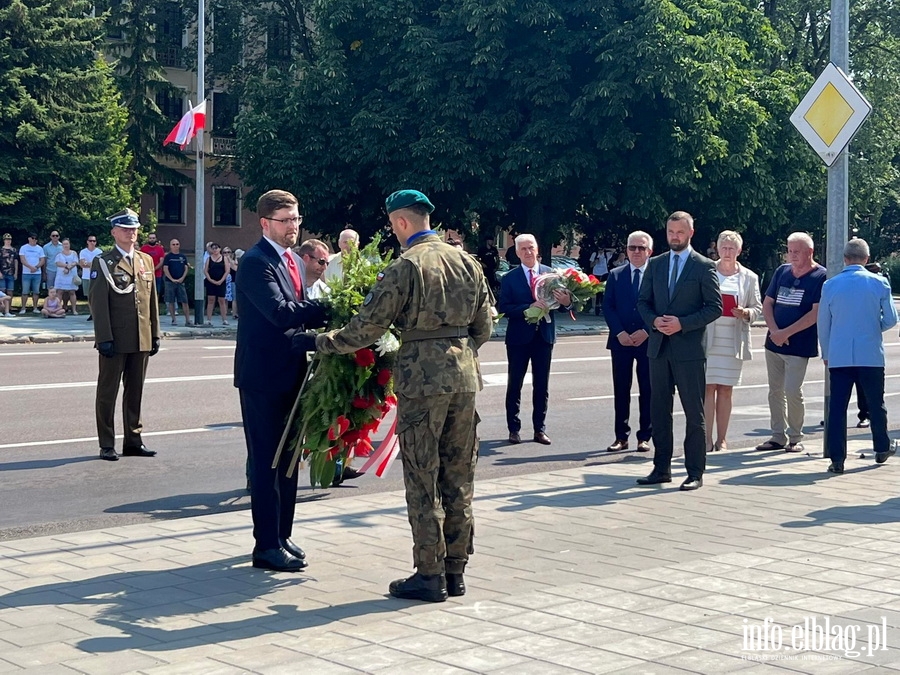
(869, 514)
(198, 504)
(139, 604)
(31, 464)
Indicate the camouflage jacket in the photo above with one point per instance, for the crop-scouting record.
(430, 286)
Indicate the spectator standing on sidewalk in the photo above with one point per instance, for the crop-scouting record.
(790, 309)
(33, 259)
(66, 263)
(156, 251)
(175, 271)
(215, 272)
(85, 260)
(855, 309)
(51, 249)
(9, 266)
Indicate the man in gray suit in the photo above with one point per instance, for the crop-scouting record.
(679, 297)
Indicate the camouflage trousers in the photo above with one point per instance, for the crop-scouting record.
(439, 448)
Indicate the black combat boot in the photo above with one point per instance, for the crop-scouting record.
(428, 587)
(456, 585)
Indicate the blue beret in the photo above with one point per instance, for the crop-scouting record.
(403, 199)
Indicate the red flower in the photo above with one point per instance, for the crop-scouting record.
(384, 376)
(569, 271)
(593, 279)
(363, 402)
(333, 453)
(340, 426)
(364, 358)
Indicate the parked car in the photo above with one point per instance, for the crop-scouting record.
(557, 262)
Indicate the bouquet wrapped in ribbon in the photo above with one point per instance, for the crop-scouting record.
(345, 396)
(582, 287)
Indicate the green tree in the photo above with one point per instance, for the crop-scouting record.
(62, 150)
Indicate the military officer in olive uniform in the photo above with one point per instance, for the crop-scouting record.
(436, 295)
(125, 308)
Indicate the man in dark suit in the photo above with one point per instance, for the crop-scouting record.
(268, 373)
(679, 297)
(627, 341)
(526, 341)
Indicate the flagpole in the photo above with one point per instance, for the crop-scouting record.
(200, 180)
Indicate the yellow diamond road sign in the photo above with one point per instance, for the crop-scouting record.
(831, 113)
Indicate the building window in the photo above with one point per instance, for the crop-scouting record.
(170, 105)
(169, 35)
(226, 42)
(225, 111)
(170, 204)
(226, 207)
(278, 41)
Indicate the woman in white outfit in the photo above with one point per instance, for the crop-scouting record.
(67, 268)
(728, 337)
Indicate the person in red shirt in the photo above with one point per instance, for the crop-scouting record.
(155, 250)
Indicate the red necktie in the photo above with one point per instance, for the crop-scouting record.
(295, 275)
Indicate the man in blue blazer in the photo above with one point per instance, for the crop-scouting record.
(526, 342)
(627, 341)
(679, 297)
(268, 373)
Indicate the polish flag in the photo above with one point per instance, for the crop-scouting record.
(187, 127)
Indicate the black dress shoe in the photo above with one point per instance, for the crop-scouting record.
(109, 454)
(142, 451)
(456, 585)
(541, 437)
(349, 473)
(882, 457)
(514, 438)
(643, 446)
(619, 445)
(428, 587)
(277, 560)
(655, 478)
(835, 467)
(293, 549)
(692, 483)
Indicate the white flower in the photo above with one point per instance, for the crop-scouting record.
(387, 344)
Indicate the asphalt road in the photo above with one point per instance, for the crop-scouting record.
(52, 481)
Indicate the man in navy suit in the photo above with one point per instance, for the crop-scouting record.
(525, 341)
(627, 341)
(679, 297)
(268, 373)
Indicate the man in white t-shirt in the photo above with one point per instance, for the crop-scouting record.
(335, 269)
(33, 259)
(314, 254)
(85, 259)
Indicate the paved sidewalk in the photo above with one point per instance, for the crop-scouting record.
(32, 329)
(576, 571)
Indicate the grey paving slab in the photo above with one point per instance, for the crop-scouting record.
(576, 572)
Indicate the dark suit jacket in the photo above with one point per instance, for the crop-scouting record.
(270, 315)
(696, 302)
(515, 298)
(620, 307)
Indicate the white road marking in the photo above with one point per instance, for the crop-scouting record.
(172, 432)
(231, 347)
(28, 353)
(79, 385)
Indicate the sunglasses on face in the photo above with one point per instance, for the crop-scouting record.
(636, 248)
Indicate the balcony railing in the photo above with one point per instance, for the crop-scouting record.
(223, 147)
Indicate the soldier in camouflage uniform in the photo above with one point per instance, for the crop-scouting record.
(436, 295)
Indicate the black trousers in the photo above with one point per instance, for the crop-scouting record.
(666, 372)
(623, 366)
(869, 381)
(273, 495)
(538, 352)
(129, 370)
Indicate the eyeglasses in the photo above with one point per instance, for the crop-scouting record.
(226, 250)
(636, 248)
(321, 261)
(54, 235)
(290, 221)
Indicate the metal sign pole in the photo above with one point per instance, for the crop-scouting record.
(838, 183)
(200, 179)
